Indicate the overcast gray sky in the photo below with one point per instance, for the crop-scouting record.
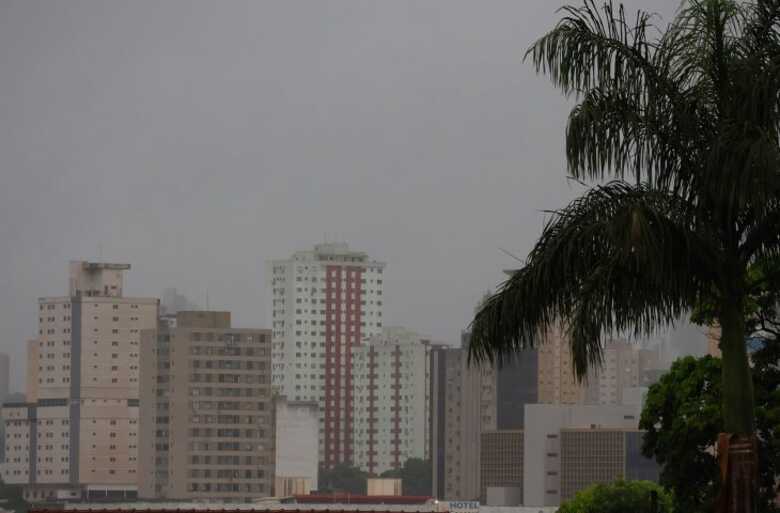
(197, 139)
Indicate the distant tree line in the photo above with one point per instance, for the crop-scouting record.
(416, 478)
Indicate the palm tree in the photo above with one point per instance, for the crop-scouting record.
(678, 128)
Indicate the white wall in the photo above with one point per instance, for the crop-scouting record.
(542, 420)
(297, 433)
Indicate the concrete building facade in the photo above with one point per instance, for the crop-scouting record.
(570, 447)
(391, 408)
(207, 412)
(324, 302)
(77, 434)
(463, 406)
(297, 445)
(625, 366)
(5, 376)
(517, 384)
(602, 455)
(557, 383)
(501, 462)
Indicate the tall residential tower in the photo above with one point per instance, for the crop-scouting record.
(206, 411)
(77, 434)
(325, 301)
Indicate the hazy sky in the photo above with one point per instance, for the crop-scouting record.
(197, 139)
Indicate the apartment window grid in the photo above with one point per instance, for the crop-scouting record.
(501, 460)
(589, 457)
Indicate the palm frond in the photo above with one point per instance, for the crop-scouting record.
(619, 258)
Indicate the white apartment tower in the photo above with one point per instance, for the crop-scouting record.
(77, 434)
(391, 374)
(325, 301)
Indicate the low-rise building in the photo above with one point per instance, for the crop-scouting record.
(574, 446)
(297, 443)
(501, 465)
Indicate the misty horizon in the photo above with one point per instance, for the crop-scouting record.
(197, 143)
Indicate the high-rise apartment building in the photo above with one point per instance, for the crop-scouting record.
(517, 384)
(77, 434)
(391, 407)
(5, 376)
(557, 381)
(437, 426)
(463, 401)
(625, 367)
(324, 302)
(207, 414)
(467, 401)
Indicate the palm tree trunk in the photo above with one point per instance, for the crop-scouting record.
(737, 447)
(738, 403)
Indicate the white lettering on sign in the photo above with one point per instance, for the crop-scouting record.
(459, 506)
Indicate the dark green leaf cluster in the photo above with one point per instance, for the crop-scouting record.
(682, 418)
(620, 497)
(11, 498)
(343, 478)
(416, 477)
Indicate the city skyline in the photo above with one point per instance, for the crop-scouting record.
(252, 131)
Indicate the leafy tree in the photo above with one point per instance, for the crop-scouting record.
(416, 477)
(620, 497)
(343, 478)
(682, 416)
(684, 121)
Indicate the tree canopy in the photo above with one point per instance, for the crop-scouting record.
(343, 478)
(416, 477)
(620, 497)
(682, 417)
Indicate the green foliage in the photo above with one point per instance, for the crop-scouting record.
(343, 478)
(416, 477)
(11, 498)
(682, 416)
(620, 497)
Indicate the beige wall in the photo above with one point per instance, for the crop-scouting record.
(87, 362)
(590, 456)
(15, 470)
(713, 341)
(31, 394)
(557, 382)
(501, 460)
(207, 392)
(469, 410)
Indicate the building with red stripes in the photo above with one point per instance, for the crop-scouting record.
(391, 400)
(325, 302)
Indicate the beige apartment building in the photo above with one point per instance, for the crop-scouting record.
(625, 366)
(463, 402)
(207, 419)
(76, 436)
(557, 383)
